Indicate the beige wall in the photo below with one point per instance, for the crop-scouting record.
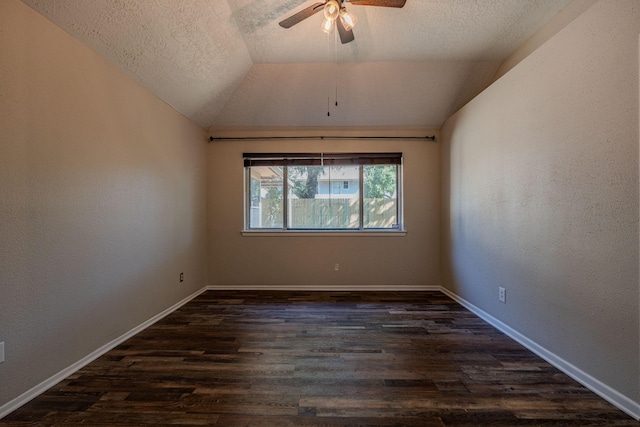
(382, 262)
(540, 177)
(102, 201)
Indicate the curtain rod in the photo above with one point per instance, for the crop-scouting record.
(271, 138)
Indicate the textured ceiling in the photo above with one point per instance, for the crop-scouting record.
(229, 64)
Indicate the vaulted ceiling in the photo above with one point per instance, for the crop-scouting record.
(228, 64)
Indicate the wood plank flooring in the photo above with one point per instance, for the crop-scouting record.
(248, 358)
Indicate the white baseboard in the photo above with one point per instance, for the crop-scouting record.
(34, 392)
(606, 392)
(598, 387)
(334, 288)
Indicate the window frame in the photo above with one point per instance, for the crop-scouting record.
(285, 160)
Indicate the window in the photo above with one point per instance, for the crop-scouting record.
(303, 191)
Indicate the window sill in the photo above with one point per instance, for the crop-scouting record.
(322, 233)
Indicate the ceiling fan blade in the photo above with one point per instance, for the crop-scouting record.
(302, 15)
(382, 3)
(346, 36)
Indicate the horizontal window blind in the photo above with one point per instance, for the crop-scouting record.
(321, 159)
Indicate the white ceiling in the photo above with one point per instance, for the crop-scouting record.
(227, 63)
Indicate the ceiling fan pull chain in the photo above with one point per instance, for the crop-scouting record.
(328, 102)
(335, 52)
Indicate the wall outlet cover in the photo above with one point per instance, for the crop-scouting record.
(502, 295)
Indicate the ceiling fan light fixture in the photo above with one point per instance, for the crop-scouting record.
(331, 10)
(334, 10)
(347, 19)
(327, 25)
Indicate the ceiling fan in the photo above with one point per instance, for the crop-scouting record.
(335, 13)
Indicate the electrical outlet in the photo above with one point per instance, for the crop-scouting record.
(1, 352)
(336, 267)
(181, 277)
(502, 295)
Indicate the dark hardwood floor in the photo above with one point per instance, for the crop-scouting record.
(248, 358)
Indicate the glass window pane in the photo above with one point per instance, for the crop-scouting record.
(266, 197)
(329, 197)
(380, 196)
(319, 200)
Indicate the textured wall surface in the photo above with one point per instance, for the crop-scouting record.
(540, 177)
(374, 261)
(102, 201)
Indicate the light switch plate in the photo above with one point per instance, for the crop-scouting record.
(1, 352)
